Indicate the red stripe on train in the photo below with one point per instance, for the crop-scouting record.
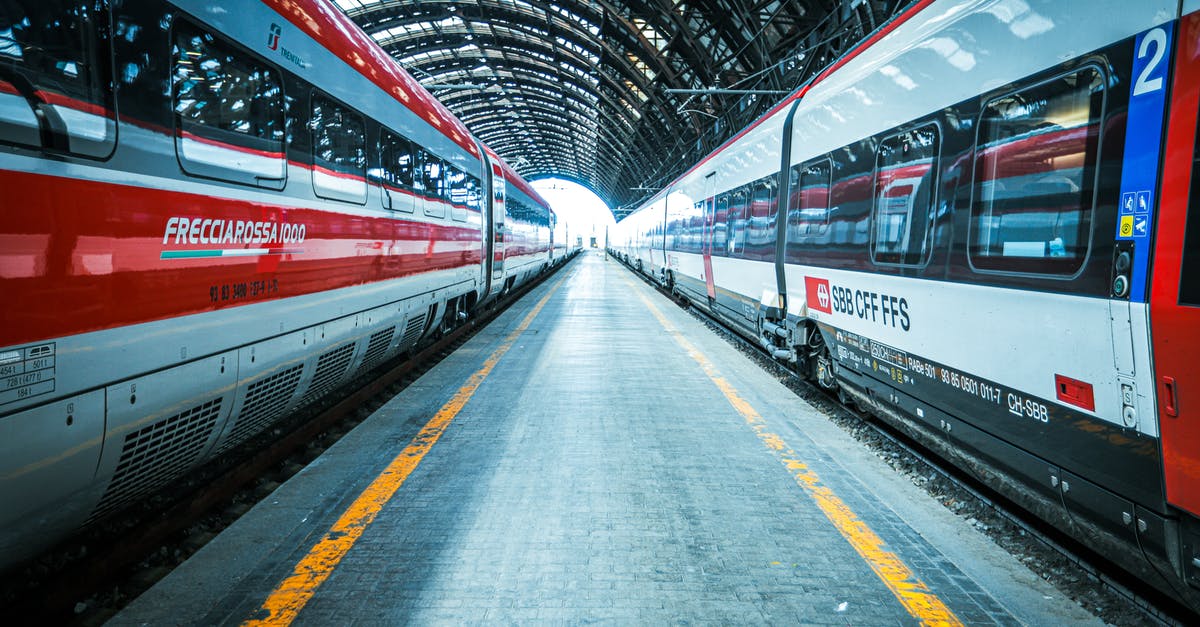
(78, 256)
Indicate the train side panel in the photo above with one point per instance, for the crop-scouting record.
(966, 247)
(192, 264)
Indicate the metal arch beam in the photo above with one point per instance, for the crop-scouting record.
(606, 168)
(587, 78)
(530, 66)
(589, 169)
(628, 82)
(538, 106)
(621, 99)
(632, 78)
(619, 140)
(505, 31)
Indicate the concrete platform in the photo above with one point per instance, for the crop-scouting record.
(597, 455)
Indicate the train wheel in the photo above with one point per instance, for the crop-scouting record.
(822, 370)
(456, 314)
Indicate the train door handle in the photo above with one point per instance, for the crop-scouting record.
(1171, 398)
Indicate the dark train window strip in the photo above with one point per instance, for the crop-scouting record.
(229, 111)
(905, 195)
(1035, 170)
(339, 151)
(56, 77)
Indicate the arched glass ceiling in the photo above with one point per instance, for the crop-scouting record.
(578, 90)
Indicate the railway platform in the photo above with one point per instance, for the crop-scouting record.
(594, 455)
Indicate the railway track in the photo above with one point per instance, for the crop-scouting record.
(1121, 600)
(88, 577)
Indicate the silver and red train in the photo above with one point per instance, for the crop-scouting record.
(214, 213)
(982, 224)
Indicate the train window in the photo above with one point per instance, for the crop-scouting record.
(695, 229)
(56, 76)
(339, 151)
(808, 201)
(763, 203)
(738, 208)
(1035, 170)
(497, 188)
(722, 244)
(398, 156)
(418, 180)
(474, 194)
(229, 111)
(433, 173)
(905, 190)
(760, 231)
(456, 188)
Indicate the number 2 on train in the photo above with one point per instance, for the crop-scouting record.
(1145, 84)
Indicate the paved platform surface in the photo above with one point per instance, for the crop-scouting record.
(619, 464)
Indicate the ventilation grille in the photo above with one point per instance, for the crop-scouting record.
(380, 340)
(412, 330)
(265, 399)
(330, 368)
(158, 454)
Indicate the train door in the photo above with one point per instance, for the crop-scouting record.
(496, 226)
(661, 241)
(710, 211)
(487, 209)
(1175, 288)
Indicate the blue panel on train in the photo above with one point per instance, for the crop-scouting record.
(1143, 145)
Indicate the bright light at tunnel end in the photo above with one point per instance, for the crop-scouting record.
(577, 207)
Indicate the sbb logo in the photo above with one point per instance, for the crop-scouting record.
(818, 294)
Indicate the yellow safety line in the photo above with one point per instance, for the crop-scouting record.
(286, 601)
(912, 593)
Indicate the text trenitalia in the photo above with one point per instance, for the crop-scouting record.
(209, 231)
(881, 308)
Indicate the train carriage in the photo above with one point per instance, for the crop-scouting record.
(974, 225)
(215, 214)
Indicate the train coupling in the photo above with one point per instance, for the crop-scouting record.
(776, 338)
(773, 331)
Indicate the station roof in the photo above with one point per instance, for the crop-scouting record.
(620, 97)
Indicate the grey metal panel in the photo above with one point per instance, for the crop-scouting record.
(162, 424)
(326, 342)
(269, 377)
(55, 461)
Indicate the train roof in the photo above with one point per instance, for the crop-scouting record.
(328, 26)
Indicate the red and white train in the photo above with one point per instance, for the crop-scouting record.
(213, 214)
(982, 225)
